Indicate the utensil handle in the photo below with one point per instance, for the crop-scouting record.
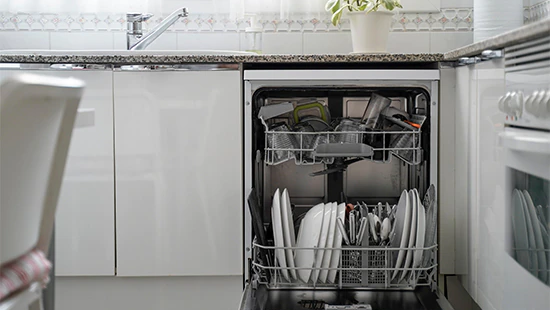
(342, 230)
(361, 230)
(352, 227)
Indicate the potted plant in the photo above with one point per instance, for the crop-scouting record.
(370, 22)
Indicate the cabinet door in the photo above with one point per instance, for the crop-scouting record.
(85, 219)
(489, 241)
(178, 154)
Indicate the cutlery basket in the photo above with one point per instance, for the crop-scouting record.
(358, 268)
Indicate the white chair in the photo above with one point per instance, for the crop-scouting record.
(37, 115)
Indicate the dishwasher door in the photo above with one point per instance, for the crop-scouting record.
(421, 298)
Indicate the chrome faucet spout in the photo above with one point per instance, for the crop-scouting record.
(134, 35)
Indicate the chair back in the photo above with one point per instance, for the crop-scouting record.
(37, 115)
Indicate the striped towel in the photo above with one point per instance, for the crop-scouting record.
(21, 272)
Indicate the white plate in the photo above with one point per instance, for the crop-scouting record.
(288, 232)
(519, 227)
(308, 237)
(420, 231)
(278, 233)
(335, 256)
(546, 242)
(541, 256)
(330, 243)
(400, 236)
(322, 242)
(412, 234)
(534, 266)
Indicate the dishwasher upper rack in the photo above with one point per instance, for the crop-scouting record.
(359, 267)
(303, 147)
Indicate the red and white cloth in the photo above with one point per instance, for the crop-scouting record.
(20, 273)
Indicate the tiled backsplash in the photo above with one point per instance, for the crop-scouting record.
(450, 19)
(537, 11)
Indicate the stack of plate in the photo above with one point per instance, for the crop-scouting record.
(408, 233)
(531, 236)
(318, 235)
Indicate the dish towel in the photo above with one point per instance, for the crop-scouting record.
(20, 273)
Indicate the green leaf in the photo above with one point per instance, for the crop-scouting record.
(332, 5)
(336, 16)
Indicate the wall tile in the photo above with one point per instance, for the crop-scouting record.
(327, 42)
(409, 42)
(457, 4)
(38, 40)
(280, 43)
(166, 41)
(81, 41)
(209, 41)
(441, 42)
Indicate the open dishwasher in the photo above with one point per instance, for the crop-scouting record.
(357, 148)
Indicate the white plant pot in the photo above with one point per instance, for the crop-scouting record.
(369, 32)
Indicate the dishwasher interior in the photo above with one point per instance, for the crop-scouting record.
(337, 157)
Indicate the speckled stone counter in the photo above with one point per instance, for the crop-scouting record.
(180, 59)
(529, 32)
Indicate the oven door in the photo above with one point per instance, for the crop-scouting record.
(526, 264)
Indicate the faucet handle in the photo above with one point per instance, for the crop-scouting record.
(137, 17)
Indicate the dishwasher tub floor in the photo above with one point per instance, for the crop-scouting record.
(421, 298)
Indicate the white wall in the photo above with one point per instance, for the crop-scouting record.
(412, 32)
(273, 42)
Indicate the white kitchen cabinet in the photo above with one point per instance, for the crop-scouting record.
(489, 206)
(85, 219)
(457, 142)
(479, 179)
(178, 154)
(466, 165)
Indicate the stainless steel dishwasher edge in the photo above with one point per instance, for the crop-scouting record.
(378, 177)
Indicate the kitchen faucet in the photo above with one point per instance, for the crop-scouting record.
(135, 40)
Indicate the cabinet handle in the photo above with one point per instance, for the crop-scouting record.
(533, 142)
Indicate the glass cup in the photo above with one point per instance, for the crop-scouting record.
(376, 105)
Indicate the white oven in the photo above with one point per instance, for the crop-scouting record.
(525, 142)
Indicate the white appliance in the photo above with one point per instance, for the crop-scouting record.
(314, 175)
(526, 163)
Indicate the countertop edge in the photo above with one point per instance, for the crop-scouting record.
(204, 59)
(513, 37)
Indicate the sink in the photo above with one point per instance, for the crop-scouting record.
(123, 52)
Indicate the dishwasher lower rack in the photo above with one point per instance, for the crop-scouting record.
(358, 268)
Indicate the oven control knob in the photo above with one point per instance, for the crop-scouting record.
(503, 103)
(545, 105)
(515, 104)
(529, 102)
(538, 106)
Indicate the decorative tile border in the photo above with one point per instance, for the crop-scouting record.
(536, 12)
(446, 20)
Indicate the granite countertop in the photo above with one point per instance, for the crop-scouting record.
(532, 31)
(179, 59)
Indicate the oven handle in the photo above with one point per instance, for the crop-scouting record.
(526, 141)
